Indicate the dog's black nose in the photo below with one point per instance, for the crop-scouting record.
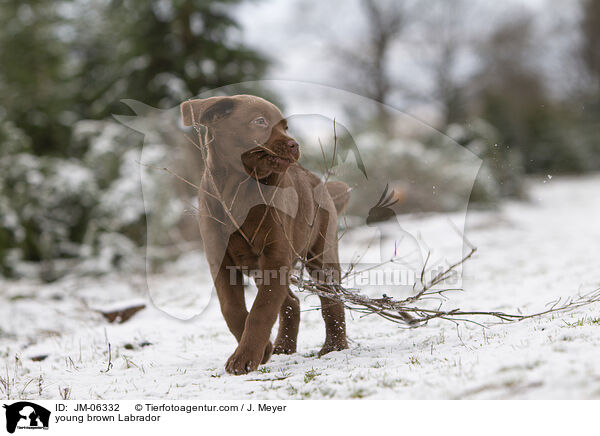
(292, 145)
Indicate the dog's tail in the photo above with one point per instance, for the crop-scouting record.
(340, 194)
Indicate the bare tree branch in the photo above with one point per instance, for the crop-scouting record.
(408, 311)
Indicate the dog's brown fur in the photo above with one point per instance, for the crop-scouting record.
(260, 210)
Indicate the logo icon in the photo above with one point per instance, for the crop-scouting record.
(26, 415)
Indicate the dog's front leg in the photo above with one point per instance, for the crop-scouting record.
(230, 290)
(272, 291)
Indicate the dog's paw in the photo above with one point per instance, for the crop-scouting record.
(330, 346)
(268, 352)
(284, 346)
(243, 361)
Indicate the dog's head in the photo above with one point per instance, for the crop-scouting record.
(245, 129)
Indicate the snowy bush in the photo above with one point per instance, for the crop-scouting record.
(502, 169)
(83, 215)
(431, 173)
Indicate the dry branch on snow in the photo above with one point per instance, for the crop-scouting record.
(412, 311)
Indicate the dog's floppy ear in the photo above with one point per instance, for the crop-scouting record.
(206, 111)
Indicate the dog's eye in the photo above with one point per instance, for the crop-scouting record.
(260, 121)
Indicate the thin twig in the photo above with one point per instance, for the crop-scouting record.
(396, 310)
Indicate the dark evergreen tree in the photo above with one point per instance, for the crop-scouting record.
(67, 60)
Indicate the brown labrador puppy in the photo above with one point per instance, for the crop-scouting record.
(260, 212)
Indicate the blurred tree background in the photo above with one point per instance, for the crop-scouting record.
(517, 86)
(67, 62)
(70, 195)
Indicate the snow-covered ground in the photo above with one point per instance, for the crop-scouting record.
(528, 254)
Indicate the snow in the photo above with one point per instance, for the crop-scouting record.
(528, 254)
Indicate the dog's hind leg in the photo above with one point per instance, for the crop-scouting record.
(289, 321)
(331, 310)
(335, 326)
